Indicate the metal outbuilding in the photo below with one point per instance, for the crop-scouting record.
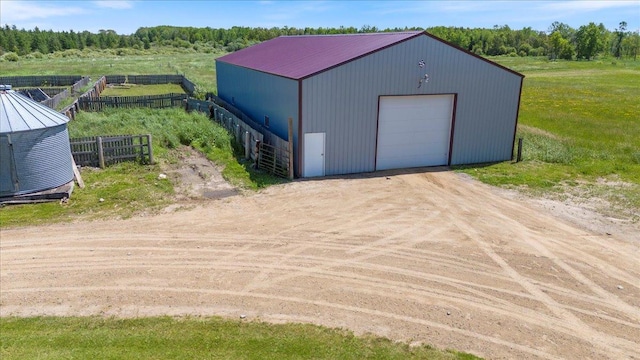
(367, 102)
(35, 155)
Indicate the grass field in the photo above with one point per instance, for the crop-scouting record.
(197, 67)
(580, 121)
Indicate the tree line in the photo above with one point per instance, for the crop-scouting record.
(560, 41)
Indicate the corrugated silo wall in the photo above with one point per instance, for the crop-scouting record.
(258, 95)
(42, 159)
(343, 102)
(7, 185)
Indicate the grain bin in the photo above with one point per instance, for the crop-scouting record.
(35, 155)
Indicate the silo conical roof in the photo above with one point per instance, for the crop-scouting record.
(19, 113)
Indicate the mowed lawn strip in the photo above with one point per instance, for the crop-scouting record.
(194, 338)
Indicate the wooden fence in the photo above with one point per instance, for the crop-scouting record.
(269, 137)
(75, 88)
(245, 135)
(127, 102)
(188, 86)
(71, 110)
(106, 150)
(56, 99)
(274, 160)
(40, 81)
(48, 96)
(269, 152)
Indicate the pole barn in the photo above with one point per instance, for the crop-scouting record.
(368, 102)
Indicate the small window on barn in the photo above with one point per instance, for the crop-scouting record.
(266, 121)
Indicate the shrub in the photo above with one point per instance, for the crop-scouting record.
(71, 53)
(11, 56)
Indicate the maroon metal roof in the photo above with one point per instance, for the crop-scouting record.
(300, 56)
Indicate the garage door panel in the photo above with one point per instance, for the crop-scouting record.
(414, 131)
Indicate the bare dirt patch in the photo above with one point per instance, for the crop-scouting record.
(196, 177)
(424, 257)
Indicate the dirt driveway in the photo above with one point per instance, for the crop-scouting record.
(429, 257)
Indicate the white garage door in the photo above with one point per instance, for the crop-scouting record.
(414, 131)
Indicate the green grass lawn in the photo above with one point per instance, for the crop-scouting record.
(580, 121)
(194, 338)
(141, 90)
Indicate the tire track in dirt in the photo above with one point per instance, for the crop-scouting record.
(536, 242)
(366, 253)
(226, 263)
(613, 345)
(289, 269)
(304, 301)
(404, 288)
(200, 246)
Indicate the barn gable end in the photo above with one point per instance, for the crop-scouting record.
(362, 103)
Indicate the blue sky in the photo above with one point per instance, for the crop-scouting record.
(126, 16)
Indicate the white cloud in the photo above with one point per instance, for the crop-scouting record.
(114, 4)
(18, 11)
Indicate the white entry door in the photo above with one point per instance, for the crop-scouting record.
(313, 154)
(414, 131)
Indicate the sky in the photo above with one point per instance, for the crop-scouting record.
(126, 16)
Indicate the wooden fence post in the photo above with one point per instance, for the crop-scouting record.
(290, 146)
(258, 154)
(150, 149)
(519, 158)
(100, 152)
(247, 145)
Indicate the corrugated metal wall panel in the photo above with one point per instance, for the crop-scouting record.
(343, 102)
(258, 94)
(42, 159)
